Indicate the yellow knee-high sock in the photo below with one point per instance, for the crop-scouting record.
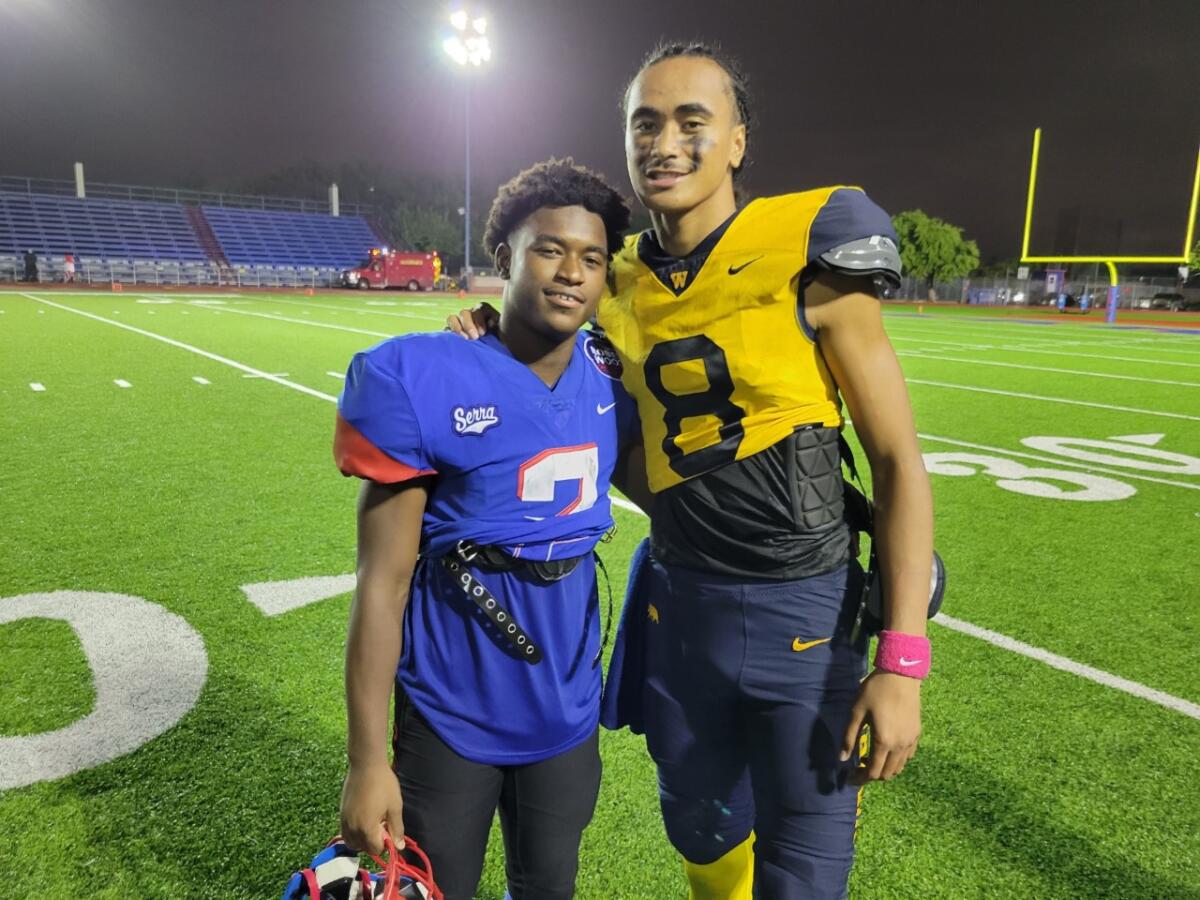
(729, 878)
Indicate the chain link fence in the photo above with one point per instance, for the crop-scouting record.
(52, 270)
(1137, 293)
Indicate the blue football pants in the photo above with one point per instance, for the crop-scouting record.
(747, 694)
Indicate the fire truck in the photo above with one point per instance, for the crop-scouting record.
(384, 268)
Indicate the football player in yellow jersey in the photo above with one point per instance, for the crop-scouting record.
(741, 332)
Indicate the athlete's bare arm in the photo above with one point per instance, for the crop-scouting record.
(629, 476)
(389, 533)
(853, 342)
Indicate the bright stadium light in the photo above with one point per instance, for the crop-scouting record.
(456, 49)
(469, 43)
(469, 47)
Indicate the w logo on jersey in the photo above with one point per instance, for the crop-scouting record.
(679, 280)
(474, 419)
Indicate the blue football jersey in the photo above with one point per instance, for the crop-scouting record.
(516, 464)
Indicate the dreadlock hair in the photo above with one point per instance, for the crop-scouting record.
(555, 183)
(737, 82)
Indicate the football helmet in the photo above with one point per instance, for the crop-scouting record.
(337, 874)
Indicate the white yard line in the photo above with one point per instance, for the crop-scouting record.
(1116, 682)
(1052, 330)
(1190, 343)
(1032, 335)
(274, 318)
(374, 312)
(1108, 680)
(181, 296)
(625, 504)
(122, 383)
(1032, 318)
(975, 334)
(19, 292)
(1008, 348)
(188, 347)
(937, 355)
(1132, 359)
(37, 387)
(944, 324)
(1023, 396)
(957, 345)
(200, 379)
(1158, 346)
(336, 374)
(975, 338)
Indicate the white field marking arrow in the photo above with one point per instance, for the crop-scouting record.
(1146, 440)
(277, 597)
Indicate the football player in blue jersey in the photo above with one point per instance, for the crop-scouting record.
(486, 468)
(741, 331)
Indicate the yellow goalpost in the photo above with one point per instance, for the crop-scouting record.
(1110, 261)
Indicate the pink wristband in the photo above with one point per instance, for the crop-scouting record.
(903, 654)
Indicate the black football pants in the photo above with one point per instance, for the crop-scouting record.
(449, 802)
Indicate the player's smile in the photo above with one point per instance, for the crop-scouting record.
(563, 298)
(664, 179)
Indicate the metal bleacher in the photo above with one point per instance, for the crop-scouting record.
(161, 237)
(270, 238)
(96, 229)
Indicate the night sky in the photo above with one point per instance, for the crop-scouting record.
(928, 104)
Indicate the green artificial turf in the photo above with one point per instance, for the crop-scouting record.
(1030, 781)
(47, 683)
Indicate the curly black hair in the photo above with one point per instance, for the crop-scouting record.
(555, 182)
(737, 81)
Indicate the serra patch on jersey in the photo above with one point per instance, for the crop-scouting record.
(474, 419)
(603, 357)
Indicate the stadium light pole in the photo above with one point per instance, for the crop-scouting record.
(468, 46)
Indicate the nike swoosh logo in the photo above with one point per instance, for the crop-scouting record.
(733, 270)
(601, 410)
(910, 662)
(800, 646)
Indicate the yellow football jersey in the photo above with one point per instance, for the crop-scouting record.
(713, 346)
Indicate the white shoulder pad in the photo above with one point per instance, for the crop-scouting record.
(876, 255)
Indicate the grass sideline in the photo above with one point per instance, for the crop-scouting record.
(1030, 782)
